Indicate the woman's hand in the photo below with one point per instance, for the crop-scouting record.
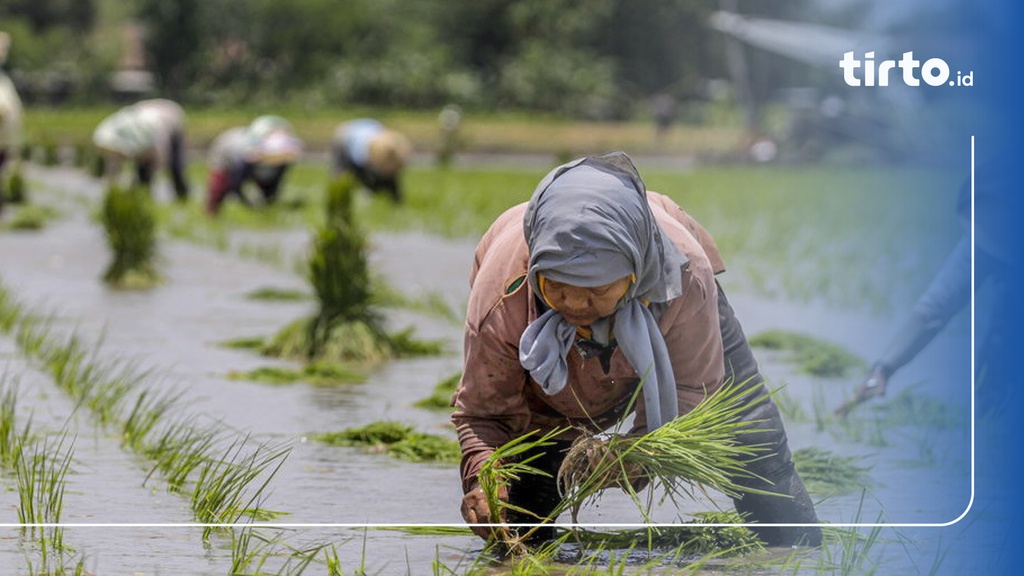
(475, 511)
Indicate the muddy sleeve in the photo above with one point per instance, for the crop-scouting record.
(694, 339)
(490, 405)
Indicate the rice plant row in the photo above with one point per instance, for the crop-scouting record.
(223, 474)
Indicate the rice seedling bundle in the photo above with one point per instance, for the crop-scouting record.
(130, 224)
(16, 192)
(698, 450)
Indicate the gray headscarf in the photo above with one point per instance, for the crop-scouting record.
(589, 224)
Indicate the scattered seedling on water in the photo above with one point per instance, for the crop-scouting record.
(811, 355)
(826, 474)
(396, 439)
(277, 295)
(317, 374)
(251, 343)
(441, 398)
(31, 217)
(790, 407)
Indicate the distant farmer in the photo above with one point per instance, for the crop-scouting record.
(150, 134)
(996, 264)
(374, 154)
(663, 108)
(10, 117)
(261, 152)
(592, 291)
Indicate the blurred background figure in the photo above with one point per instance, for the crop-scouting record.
(995, 263)
(374, 154)
(450, 122)
(150, 134)
(261, 152)
(10, 117)
(663, 108)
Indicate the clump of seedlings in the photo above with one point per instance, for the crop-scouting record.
(396, 439)
(696, 451)
(15, 192)
(272, 294)
(827, 474)
(811, 355)
(130, 224)
(317, 374)
(441, 398)
(346, 329)
(31, 217)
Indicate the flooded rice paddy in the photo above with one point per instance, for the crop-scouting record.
(121, 520)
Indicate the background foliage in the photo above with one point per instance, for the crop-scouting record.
(599, 59)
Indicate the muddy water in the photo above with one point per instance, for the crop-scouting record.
(921, 476)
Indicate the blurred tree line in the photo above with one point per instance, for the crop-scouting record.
(595, 58)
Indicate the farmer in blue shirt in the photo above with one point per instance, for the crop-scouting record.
(374, 154)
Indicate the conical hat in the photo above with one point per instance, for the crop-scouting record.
(276, 148)
(389, 151)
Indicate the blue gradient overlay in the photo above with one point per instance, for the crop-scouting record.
(987, 40)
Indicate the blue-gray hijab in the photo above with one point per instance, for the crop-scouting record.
(588, 224)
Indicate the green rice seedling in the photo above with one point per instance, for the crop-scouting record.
(790, 407)
(31, 217)
(277, 295)
(849, 552)
(441, 398)
(317, 374)
(262, 253)
(396, 439)
(698, 450)
(811, 355)
(130, 226)
(12, 441)
(11, 311)
(346, 328)
(41, 473)
(250, 343)
(180, 449)
(222, 488)
(151, 407)
(373, 434)
(420, 447)
(830, 475)
(16, 191)
(728, 537)
(909, 408)
(507, 464)
(338, 199)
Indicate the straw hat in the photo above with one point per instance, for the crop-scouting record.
(389, 151)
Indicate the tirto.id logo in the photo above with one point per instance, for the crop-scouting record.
(934, 71)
